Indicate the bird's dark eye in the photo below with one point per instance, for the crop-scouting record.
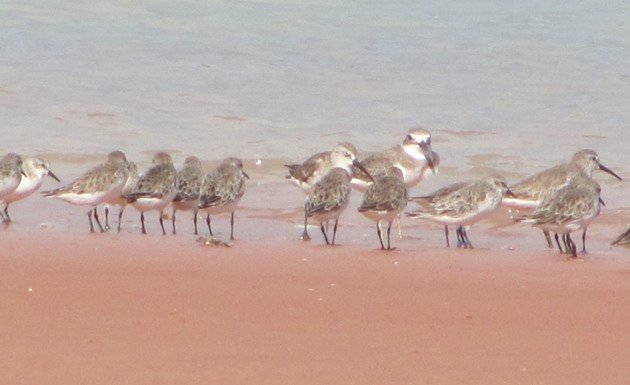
(409, 137)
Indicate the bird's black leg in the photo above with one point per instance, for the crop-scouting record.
(558, 242)
(173, 220)
(321, 226)
(466, 240)
(162, 222)
(107, 218)
(232, 226)
(144, 230)
(380, 234)
(389, 230)
(208, 223)
(305, 236)
(97, 221)
(548, 238)
(335, 230)
(448, 244)
(120, 214)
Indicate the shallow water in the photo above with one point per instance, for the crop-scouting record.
(503, 87)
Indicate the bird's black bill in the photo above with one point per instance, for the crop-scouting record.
(52, 175)
(360, 166)
(611, 172)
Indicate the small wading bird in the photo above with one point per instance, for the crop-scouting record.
(571, 208)
(155, 189)
(222, 189)
(462, 204)
(33, 172)
(98, 185)
(189, 181)
(330, 196)
(533, 190)
(307, 174)
(384, 200)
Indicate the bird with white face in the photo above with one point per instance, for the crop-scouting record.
(306, 174)
(33, 172)
(413, 157)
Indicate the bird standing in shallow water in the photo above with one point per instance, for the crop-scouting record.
(384, 200)
(330, 196)
(569, 209)
(155, 189)
(130, 184)
(462, 204)
(531, 191)
(222, 189)
(307, 174)
(33, 172)
(189, 181)
(98, 185)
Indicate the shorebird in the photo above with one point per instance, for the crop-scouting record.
(571, 208)
(329, 197)
(462, 204)
(155, 189)
(222, 189)
(531, 191)
(96, 186)
(307, 174)
(33, 172)
(314, 168)
(121, 201)
(384, 200)
(189, 181)
(413, 157)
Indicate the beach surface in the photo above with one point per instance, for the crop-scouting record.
(130, 309)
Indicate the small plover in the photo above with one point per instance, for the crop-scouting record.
(98, 185)
(462, 204)
(222, 189)
(34, 170)
(384, 200)
(155, 189)
(189, 181)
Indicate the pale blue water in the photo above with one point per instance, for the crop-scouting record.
(527, 82)
(303, 75)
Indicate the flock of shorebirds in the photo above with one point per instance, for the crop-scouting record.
(560, 200)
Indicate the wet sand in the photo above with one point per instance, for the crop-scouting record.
(127, 309)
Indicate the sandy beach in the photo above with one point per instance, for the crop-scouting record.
(126, 309)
